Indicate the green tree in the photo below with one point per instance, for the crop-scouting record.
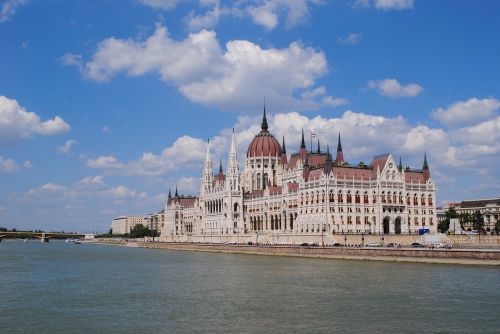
(497, 226)
(141, 231)
(465, 219)
(445, 224)
(478, 220)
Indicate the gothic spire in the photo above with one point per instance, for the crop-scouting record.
(176, 192)
(220, 166)
(339, 159)
(303, 143)
(264, 126)
(427, 173)
(169, 193)
(283, 148)
(400, 166)
(319, 148)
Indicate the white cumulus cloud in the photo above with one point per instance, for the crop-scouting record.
(393, 4)
(205, 73)
(8, 165)
(466, 112)
(392, 88)
(8, 9)
(66, 148)
(16, 123)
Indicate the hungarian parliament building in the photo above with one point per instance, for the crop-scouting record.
(281, 198)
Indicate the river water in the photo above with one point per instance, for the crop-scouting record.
(59, 287)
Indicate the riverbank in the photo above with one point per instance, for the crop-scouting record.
(417, 255)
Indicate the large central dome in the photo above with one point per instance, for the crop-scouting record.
(264, 144)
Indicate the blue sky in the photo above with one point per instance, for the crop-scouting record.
(105, 105)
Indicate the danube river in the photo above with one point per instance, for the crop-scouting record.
(60, 287)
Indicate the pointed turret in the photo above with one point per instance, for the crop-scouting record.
(233, 169)
(425, 168)
(169, 197)
(176, 193)
(328, 161)
(319, 148)
(220, 167)
(284, 159)
(400, 166)
(339, 159)
(303, 150)
(207, 170)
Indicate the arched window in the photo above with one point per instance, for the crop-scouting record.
(258, 181)
(357, 198)
(349, 197)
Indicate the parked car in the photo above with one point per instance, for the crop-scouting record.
(417, 245)
(337, 244)
(443, 245)
(304, 244)
(249, 243)
(393, 245)
(373, 244)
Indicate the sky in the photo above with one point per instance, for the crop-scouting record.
(106, 105)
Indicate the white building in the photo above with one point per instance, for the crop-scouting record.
(281, 199)
(123, 224)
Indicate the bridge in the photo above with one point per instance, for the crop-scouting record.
(43, 236)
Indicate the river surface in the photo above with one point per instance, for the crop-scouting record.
(59, 287)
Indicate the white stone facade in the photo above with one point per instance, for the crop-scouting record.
(302, 200)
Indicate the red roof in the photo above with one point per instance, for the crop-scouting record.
(414, 176)
(379, 161)
(264, 145)
(187, 202)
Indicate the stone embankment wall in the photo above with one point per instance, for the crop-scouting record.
(387, 254)
(273, 238)
(476, 241)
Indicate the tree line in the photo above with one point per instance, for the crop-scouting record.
(138, 231)
(475, 220)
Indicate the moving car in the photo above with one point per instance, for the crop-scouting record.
(373, 244)
(417, 245)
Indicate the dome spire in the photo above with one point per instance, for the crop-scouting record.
(264, 125)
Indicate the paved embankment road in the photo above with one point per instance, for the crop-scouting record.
(453, 256)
